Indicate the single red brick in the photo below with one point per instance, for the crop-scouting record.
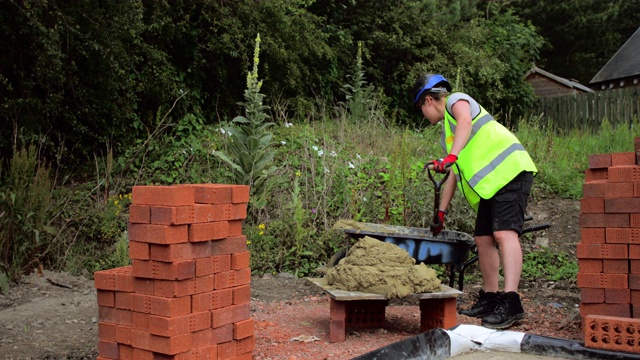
(140, 321)
(623, 158)
(124, 317)
(622, 310)
(240, 194)
(221, 298)
(242, 277)
(230, 314)
(164, 326)
(170, 307)
(202, 338)
(619, 190)
(212, 193)
(243, 329)
(224, 279)
(107, 331)
(140, 354)
(595, 175)
(227, 350)
(617, 296)
(163, 195)
(160, 344)
(107, 314)
(204, 353)
(600, 280)
(178, 270)
(139, 214)
(123, 300)
(172, 215)
(241, 295)
(591, 296)
(201, 302)
(611, 333)
(624, 174)
(123, 335)
(106, 298)
(139, 250)
(239, 211)
(604, 220)
(204, 213)
(222, 334)
(590, 266)
(221, 263)
(602, 251)
(634, 281)
(235, 227)
(126, 352)
(595, 189)
(245, 356)
(592, 235)
(230, 245)
(634, 266)
(622, 205)
(337, 331)
(599, 161)
(634, 220)
(124, 279)
(246, 345)
(623, 235)
(208, 231)
(592, 205)
(143, 286)
(158, 234)
(105, 279)
(635, 297)
(180, 288)
(141, 303)
(240, 260)
(615, 266)
(108, 349)
(634, 251)
(636, 189)
(204, 266)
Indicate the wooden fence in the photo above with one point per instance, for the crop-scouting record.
(587, 111)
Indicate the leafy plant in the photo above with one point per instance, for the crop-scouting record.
(546, 263)
(250, 143)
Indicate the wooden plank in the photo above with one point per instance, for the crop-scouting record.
(344, 295)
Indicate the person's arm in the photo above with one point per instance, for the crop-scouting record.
(448, 190)
(461, 111)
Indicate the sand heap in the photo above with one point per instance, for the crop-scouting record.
(374, 266)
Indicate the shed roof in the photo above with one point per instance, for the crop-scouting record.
(566, 82)
(625, 62)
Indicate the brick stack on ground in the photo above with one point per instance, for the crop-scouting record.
(609, 252)
(187, 293)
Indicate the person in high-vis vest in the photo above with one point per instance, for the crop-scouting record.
(495, 174)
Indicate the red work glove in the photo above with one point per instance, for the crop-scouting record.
(439, 224)
(441, 165)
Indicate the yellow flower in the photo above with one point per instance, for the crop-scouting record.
(261, 233)
(248, 242)
(261, 226)
(298, 173)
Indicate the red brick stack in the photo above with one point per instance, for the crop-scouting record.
(609, 252)
(187, 293)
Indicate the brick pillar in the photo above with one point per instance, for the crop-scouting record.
(187, 292)
(609, 250)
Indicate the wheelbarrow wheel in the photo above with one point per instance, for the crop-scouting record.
(335, 259)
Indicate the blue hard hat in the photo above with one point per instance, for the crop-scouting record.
(430, 83)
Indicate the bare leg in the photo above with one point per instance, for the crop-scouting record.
(489, 262)
(511, 255)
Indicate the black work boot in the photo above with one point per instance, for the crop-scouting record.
(508, 311)
(485, 304)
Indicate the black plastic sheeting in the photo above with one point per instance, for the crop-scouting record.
(434, 344)
(548, 346)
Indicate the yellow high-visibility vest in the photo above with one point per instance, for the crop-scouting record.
(492, 157)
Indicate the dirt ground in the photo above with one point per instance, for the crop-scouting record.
(54, 315)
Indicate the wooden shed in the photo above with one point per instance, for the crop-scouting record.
(546, 84)
(623, 69)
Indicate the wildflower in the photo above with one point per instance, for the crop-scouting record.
(248, 242)
(262, 226)
(313, 211)
(334, 154)
(315, 148)
(326, 171)
(298, 173)
(223, 131)
(283, 142)
(213, 152)
(351, 166)
(358, 156)
(364, 199)
(320, 153)
(261, 233)
(288, 124)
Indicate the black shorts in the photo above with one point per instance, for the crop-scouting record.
(506, 209)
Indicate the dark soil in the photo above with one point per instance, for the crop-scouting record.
(54, 315)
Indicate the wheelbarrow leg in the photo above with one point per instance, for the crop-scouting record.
(462, 269)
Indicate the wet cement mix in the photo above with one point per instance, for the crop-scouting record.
(377, 267)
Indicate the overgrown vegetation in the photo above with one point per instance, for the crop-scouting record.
(145, 97)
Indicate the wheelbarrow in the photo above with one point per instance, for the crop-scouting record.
(451, 248)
